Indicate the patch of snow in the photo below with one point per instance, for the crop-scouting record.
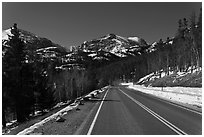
(152, 50)
(135, 46)
(119, 50)
(122, 38)
(61, 104)
(95, 91)
(5, 34)
(92, 55)
(119, 42)
(84, 42)
(131, 54)
(171, 42)
(146, 77)
(100, 58)
(86, 50)
(60, 67)
(130, 83)
(42, 49)
(136, 39)
(11, 122)
(163, 74)
(120, 55)
(153, 44)
(104, 38)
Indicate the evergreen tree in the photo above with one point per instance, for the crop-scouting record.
(14, 60)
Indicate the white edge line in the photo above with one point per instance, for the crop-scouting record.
(164, 121)
(94, 121)
(194, 111)
(171, 103)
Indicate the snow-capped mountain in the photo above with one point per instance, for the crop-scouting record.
(116, 45)
(40, 45)
(108, 48)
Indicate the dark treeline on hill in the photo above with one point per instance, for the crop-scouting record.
(37, 74)
(181, 53)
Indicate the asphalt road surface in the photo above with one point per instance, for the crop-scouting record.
(124, 111)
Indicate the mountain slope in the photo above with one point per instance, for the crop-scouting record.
(35, 42)
(117, 45)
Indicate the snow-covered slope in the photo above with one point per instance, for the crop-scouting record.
(191, 78)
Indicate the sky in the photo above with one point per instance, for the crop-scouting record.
(70, 24)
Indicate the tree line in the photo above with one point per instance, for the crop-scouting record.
(180, 53)
(31, 81)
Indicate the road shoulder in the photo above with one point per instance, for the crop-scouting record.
(75, 120)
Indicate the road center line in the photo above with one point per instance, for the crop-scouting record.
(94, 121)
(160, 118)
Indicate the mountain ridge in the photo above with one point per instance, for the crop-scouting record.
(108, 48)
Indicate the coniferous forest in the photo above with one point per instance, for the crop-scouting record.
(37, 74)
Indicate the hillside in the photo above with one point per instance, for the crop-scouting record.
(182, 79)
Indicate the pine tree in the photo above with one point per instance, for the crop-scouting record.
(13, 61)
(192, 39)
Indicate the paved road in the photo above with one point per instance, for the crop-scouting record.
(129, 112)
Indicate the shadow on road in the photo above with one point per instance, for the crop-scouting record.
(98, 99)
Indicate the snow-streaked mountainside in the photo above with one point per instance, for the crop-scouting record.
(108, 48)
(33, 41)
(114, 44)
(43, 47)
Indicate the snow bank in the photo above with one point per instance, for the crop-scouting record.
(186, 95)
(95, 91)
(126, 84)
(61, 104)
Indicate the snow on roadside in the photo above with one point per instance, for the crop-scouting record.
(95, 91)
(61, 113)
(186, 95)
(61, 104)
(11, 122)
(37, 125)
